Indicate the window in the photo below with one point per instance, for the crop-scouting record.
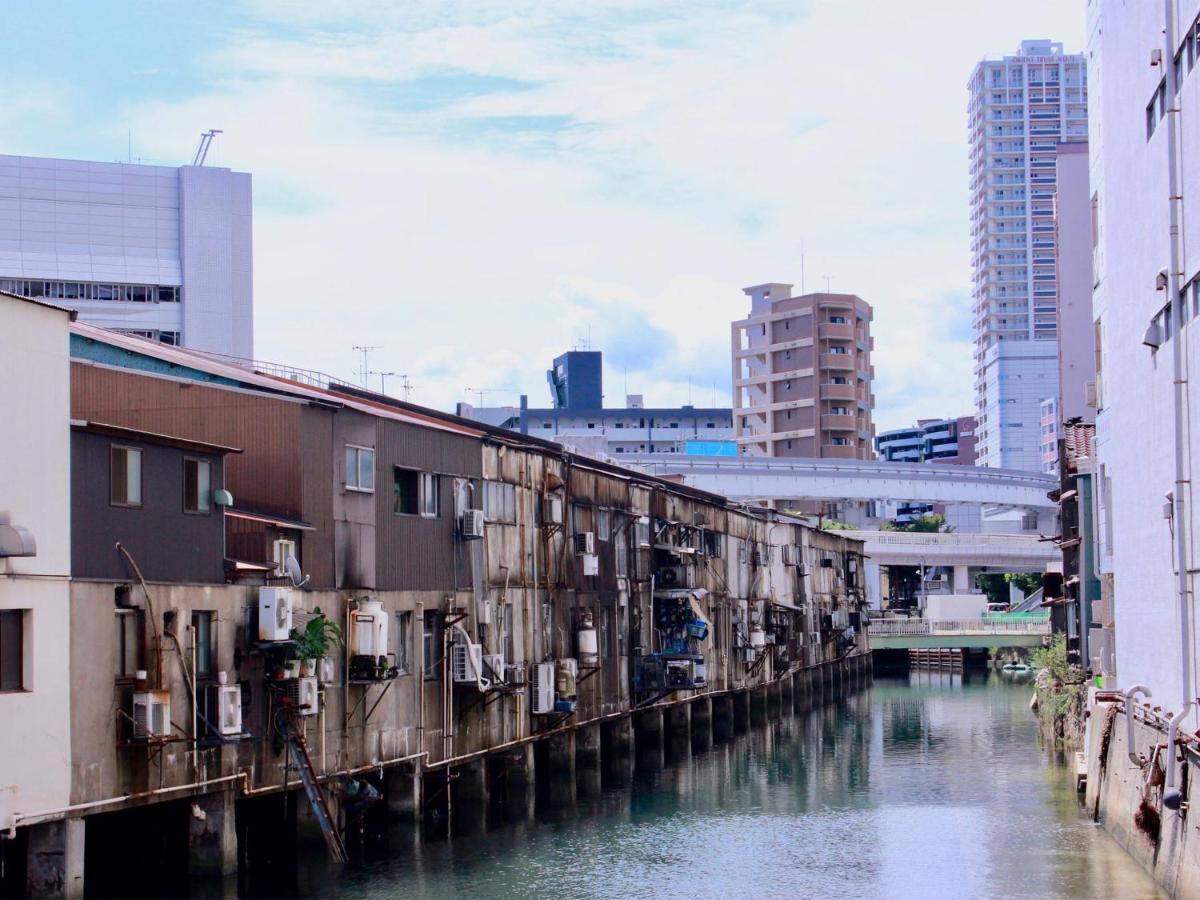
(129, 644)
(430, 501)
(197, 478)
(406, 489)
(206, 648)
(360, 469)
(431, 647)
(499, 502)
(404, 623)
(280, 551)
(603, 524)
(12, 649)
(126, 476)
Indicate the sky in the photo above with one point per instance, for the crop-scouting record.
(475, 186)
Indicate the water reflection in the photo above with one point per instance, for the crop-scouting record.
(927, 786)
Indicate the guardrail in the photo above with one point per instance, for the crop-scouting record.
(901, 627)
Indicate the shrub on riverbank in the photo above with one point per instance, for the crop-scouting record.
(1060, 694)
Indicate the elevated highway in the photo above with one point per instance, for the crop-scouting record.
(757, 478)
(960, 634)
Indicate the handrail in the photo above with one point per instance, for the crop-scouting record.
(893, 627)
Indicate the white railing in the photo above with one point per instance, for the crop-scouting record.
(902, 627)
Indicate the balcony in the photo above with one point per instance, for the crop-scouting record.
(839, 451)
(843, 362)
(837, 392)
(836, 330)
(832, 422)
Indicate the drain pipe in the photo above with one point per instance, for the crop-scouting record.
(1172, 795)
(1134, 756)
(1180, 521)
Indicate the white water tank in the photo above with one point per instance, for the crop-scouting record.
(368, 629)
(589, 645)
(758, 638)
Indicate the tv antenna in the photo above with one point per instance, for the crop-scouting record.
(383, 376)
(828, 282)
(206, 140)
(365, 349)
(479, 392)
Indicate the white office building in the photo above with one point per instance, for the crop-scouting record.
(157, 251)
(1021, 108)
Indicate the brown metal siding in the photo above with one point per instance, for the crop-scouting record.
(414, 553)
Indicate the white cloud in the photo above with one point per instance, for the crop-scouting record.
(670, 157)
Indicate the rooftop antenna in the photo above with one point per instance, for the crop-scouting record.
(383, 376)
(828, 282)
(206, 140)
(365, 350)
(802, 267)
(479, 392)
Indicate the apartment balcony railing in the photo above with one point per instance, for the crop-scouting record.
(839, 451)
(839, 361)
(838, 392)
(834, 422)
(836, 330)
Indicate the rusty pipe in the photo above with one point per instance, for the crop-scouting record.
(1172, 795)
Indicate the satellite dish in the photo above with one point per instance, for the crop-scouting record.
(299, 579)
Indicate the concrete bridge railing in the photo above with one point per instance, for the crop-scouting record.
(905, 627)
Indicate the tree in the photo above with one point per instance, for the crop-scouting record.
(926, 524)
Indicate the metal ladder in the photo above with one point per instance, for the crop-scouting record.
(312, 784)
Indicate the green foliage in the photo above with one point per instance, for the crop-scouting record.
(317, 637)
(835, 525)
(1028, 582)
(928, 524)
(1053, 659)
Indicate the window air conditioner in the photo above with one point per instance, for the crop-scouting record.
(552, 510)
(543, 689)
(585, 543)
(672, 577)
(225, 709)
(275, 609)
(467, 663)
(151, 715)
(471, 524)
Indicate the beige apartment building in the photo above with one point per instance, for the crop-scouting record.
(802, 375)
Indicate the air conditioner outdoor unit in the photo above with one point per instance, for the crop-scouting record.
(275, 608)
(305, 695)
(672, 577)
(471, 523)
(151, 715)
(515, 673)
(585, 543)
(756, 558)
(543, 689)
(552, 510)
(225, 709)
(280, 551)
(466, 662)
(493, 667)
(591, 564)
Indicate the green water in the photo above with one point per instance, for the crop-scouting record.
(919, 787)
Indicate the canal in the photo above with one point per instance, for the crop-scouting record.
(923, 786)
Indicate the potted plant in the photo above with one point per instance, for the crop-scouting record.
(314, 641)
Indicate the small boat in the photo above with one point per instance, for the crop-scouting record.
(1017, 668)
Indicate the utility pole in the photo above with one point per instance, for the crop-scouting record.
(365, 349)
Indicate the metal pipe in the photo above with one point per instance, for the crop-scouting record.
(1172, 795)
(1179, 514)
(1134, 757)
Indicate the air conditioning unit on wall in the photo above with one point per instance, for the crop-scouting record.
(543, 689)
(151, 715)
(275, 612)
(225, 709)
(467, 663)
(585, 543)
(471, 523)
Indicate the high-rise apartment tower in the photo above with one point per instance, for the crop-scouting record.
(1021, 108)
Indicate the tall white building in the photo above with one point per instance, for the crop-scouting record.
(161, 252)
(1021, 108)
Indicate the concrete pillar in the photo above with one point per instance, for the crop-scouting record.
(872, 578)
(758, 705)
(649, 726)
(800, 691)
(722, 717)
(617, 745)
(678, 722)
(741, 711)
(519, 782)
(402, 793)
(560, 768)
(787, 693)
(702, 724)
(212, 835)
(469, 784)
(54, 859)
(588, 760)
(773, 699)
(961, 580)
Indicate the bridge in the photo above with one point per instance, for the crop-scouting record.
(760, 477)
(960, 634)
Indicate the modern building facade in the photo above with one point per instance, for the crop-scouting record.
(577, 417)
(802, 375)
(1021, 108)
(159, 252)
(931, 440)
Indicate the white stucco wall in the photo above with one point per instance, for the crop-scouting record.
(1135, 428)
(35, 746)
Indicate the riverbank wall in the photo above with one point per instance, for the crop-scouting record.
(1127, 780)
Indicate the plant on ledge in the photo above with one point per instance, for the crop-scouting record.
(318, 636)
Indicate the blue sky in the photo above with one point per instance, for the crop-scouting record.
(477, 185)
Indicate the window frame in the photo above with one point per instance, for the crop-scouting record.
(205, 510)
(431, 646)
(207, 652)
(508, 492)
(404, 630)
(356, 486)
(429, 495)
(14, 619)
(127, 449)
(125, 674)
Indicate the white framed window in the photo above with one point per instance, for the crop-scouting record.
(429, 495)
(500, 502)
(360, 468)
(197, 485)
(126, 476)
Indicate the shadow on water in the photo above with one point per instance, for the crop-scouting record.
(930, 785)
